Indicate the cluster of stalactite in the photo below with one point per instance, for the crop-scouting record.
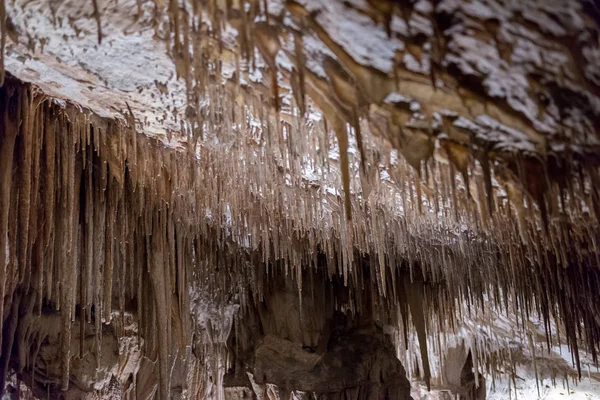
(96, 219)
(517, 227)
(81, 238)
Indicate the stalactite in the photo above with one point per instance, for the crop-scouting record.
(300, 65)
(27, 135)
(414, 296)
(2, 40)
(49, 199)
(98, 20)
(33, 229)
(109, 257)
(87, 288)
(342, 138)
(10, 121)
(160, 291)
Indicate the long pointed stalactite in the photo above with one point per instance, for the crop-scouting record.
(2, 40)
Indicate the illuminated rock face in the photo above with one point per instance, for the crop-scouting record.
(312, 198)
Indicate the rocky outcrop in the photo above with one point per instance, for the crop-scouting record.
(303, 346)
(107, 368)
(356, 365)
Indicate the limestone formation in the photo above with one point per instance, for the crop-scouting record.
(297, 199)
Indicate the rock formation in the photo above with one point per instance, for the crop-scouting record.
(297, 199)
